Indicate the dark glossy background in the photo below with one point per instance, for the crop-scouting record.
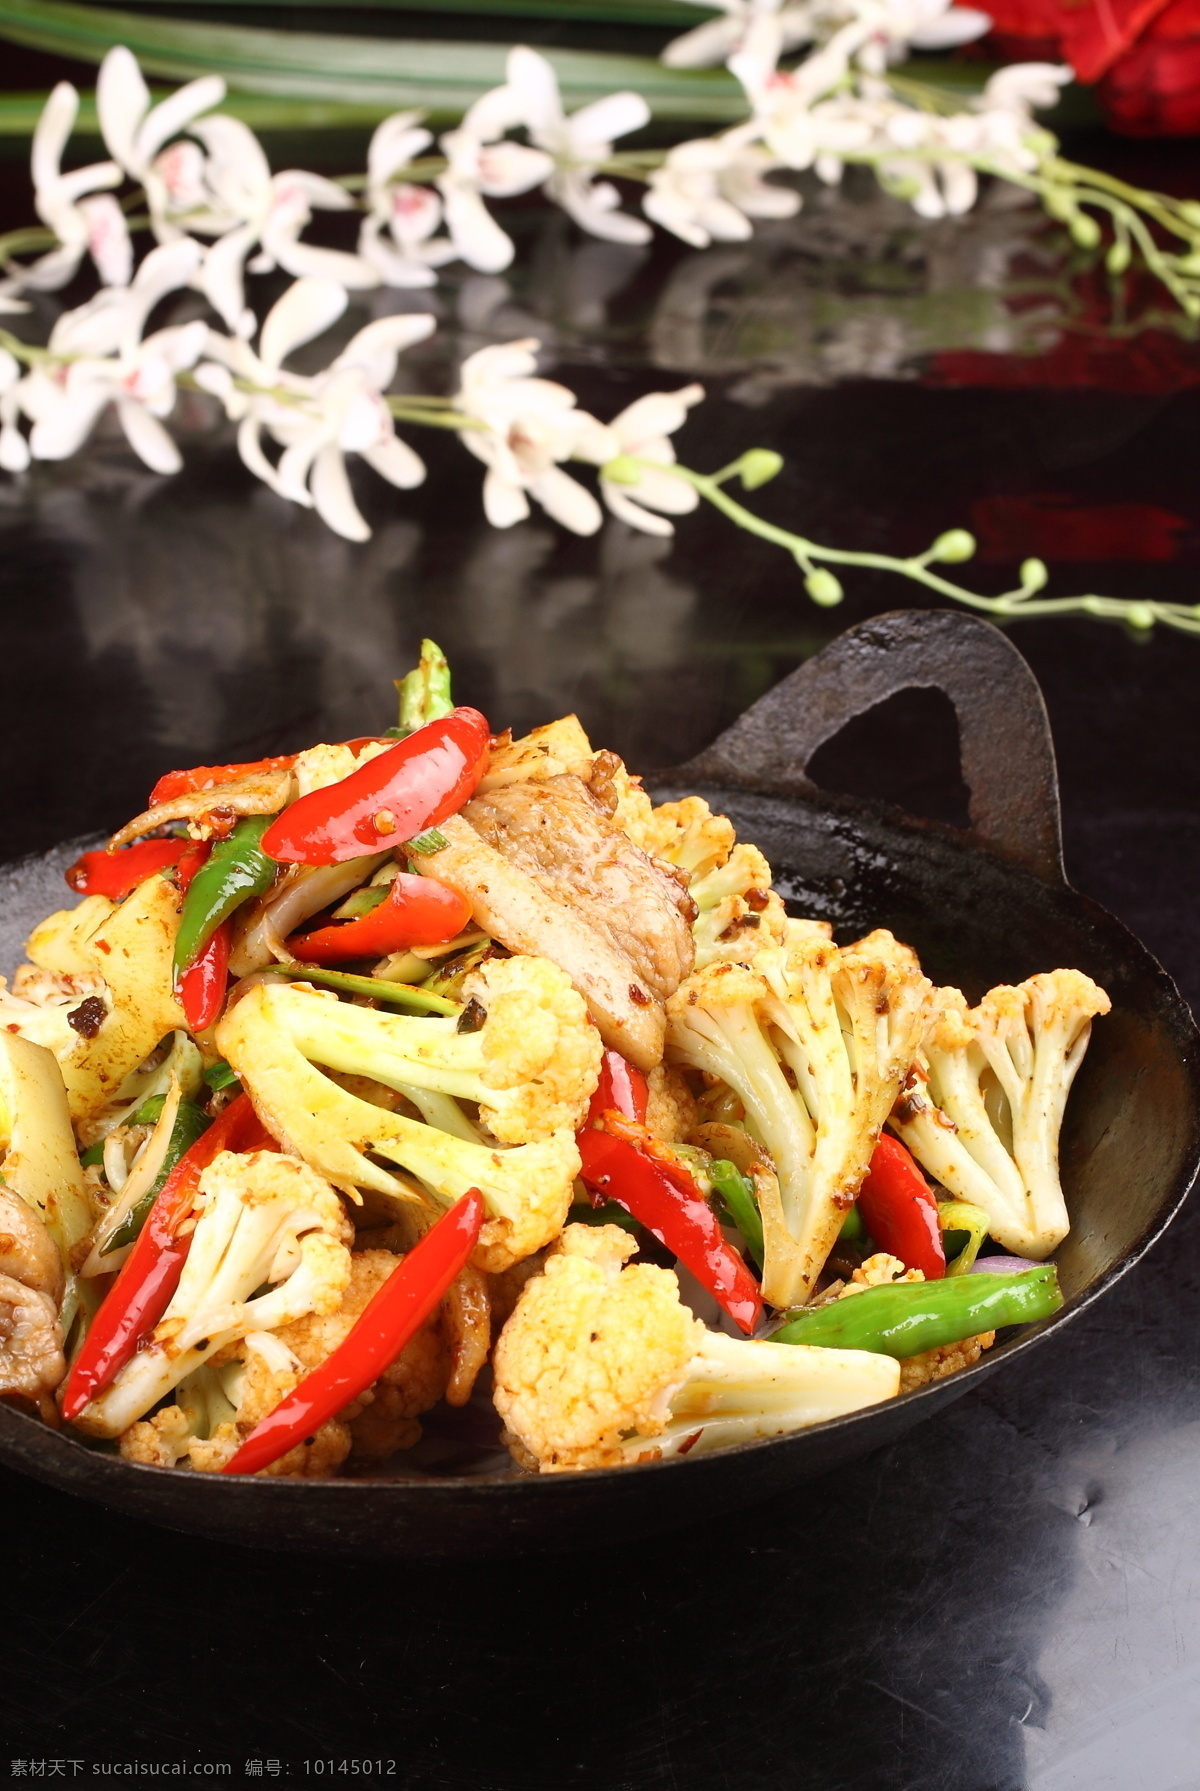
(1009, 1597)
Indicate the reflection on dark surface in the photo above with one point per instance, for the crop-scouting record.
(1007, 1598)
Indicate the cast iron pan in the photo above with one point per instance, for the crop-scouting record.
(982, 907)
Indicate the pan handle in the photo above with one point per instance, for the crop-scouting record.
(1004, 733)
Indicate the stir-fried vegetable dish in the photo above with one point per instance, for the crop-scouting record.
(442, 1070)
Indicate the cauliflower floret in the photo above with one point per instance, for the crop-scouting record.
(593, 1352)
(671, 1112)
(687, 833)
(271, 1034)
(321, 766)
(384, 1419)
(880, 1270)
(264, 1220)
(815, 1042)
(740, 914)
(601, 1365)
(984, 1110)
(936, 1364)
(541, 1049)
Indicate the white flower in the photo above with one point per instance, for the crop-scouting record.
(102, 359)
(579, 145)
(480, 163)
(14, 449)
(318, 419)
(136, 131)
(1025, 87)
(528, 426)
(266, 209)
(409, 214)
(718, 39)
(94, 225)
(643, 432)
(710, 187)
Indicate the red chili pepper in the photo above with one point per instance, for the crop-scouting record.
(202, 988)
(114, 874)
(389, 1322)
(660, 1192)
(622, 1088)
(900, 1211)
(416, 911)
(150, 1273)
(414, 785)
(210, 777)
(195, 855)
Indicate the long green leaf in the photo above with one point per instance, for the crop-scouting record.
(442, 78)
(677, 13)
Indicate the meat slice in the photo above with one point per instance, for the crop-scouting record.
(569, 844)
(514, 908)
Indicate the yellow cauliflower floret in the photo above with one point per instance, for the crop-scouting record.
(593, 1352)
(671, 1112)
(936, 1364)
(541, 1049)
(687, 833)
(880, 1270)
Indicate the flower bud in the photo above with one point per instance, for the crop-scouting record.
(953, 547)
(1140, 616)
(1117, 259)
(624, 470)
(1033, 575)
(759, 466)
(823, 587)
(1084, 230)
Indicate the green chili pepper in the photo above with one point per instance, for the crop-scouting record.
(362, 901)
(149, 1113)
(92, 1155)
(962, 1218)
(237, 868)
(219, 1076)
(583, 1213)
(853, 1230)
(395, 994)
(906, 1318)
(425, 691)
(736, 1192)
(190, 1123)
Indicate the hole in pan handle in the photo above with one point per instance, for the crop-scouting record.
(1004, 733)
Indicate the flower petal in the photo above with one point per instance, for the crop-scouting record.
(173, 115)
(306, 309)
(249, 445)
(64, 428)
(305, 261)
(662, 492)
(122, 101)
(613, 116)
(535, 81)
(396, 462)
(508, 168)
(622, 505)
(333, 497)
(148, 439)
(14, 449)
(238, 171)
(394, 268)
(108, 239)
(222, 278)
(655, 414)
(50, 135)
(394, 145)
(375, 348)
(473, 230)
(503, 501)
(566, 501)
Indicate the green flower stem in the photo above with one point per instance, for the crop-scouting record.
(1139, 614)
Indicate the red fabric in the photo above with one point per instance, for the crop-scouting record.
(1145, 54)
